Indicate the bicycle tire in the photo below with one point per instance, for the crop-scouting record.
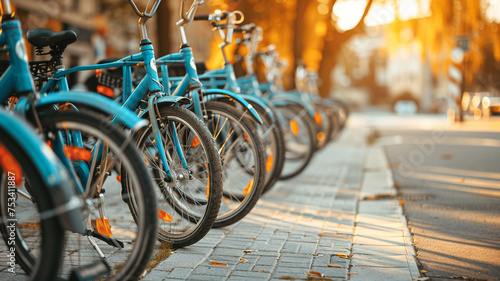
(188, 127)
(274, 145)
(51, 230)
(302, 140)
(236, 204)
(130, 262)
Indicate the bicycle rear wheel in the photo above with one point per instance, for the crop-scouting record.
(190, 200)
(44, 236)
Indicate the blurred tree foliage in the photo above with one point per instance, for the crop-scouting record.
(308, 30)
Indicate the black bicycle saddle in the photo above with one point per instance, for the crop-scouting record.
(42, 37)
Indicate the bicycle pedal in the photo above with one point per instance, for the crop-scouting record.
(110, 241)
(90, 271)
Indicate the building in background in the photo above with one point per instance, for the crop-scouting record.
(105, 28)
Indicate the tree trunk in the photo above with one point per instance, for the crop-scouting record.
(334, 42)
(163, 19)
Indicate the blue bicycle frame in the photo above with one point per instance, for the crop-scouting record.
(132, 100)
(190, 83)
(17, 79)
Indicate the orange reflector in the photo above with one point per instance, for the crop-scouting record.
(208, 182)
(10, 166)
(295, 127)
(105, 91)
(317, 118)
(320, 136)
(248, 188)
(269, 163)
(98, 72)
(77, 153)
(145, 161)
(103, 227)
(195, 142)
(119, 178)
(49, 143)
(164, 216)
(246, 137)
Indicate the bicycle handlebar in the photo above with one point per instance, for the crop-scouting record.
(247, 28)
(145, 14)
(188, 17)
(210, 17)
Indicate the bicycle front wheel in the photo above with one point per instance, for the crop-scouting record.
(189, 198)
(299, 132)
(121, 223)
(31, 197)
(242, 153)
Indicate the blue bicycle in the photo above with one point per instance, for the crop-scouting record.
(176, 147)
(270, 131)
(120, 225)
(233, 123)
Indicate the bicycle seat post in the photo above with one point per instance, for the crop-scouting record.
(6, 8)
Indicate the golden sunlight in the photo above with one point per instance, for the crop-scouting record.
(347, 13)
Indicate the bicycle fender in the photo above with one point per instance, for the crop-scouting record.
(237, 98)
(284, 99)
(96, 102)
(62, 191)
(263, 103)
(168, 100)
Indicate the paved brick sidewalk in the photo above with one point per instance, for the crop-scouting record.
(326, 216)
(311, 222)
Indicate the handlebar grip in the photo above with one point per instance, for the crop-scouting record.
(202, 17)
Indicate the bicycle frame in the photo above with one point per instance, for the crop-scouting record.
(190, 83)
(132, 100)
(17, 79)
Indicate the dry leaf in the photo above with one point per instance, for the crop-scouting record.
(351, 273)
(262, 270)
(344, 256)
(401, 202)
(218, 263)
(447, 156)
(242, 260)
(249, 251)
(314, 273)
(332, 265)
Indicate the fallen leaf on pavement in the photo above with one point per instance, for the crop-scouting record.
(262, 270)
(344, 256)
(242, 260)
(314, 273)
(249, 251)
(379, 196)
(352, 273)
(218, 263)
(332, 265)
(447, 156)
